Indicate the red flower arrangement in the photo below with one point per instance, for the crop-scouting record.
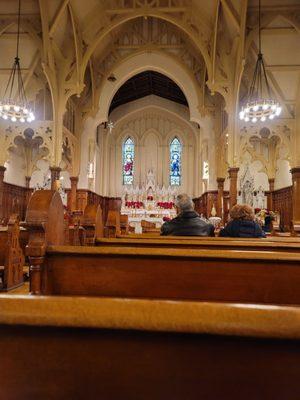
(150, 198)
(134, 204)
(167, 205)
(166, 219)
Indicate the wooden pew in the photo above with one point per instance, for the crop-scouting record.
(92, 224)
(112, 226)
(92, 348)
(124, 224)
(243, 276)
(274, 239)
(11, 256)
(45, 224)
(204, 243)
(149, 227)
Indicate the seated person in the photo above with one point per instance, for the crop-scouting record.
(187, 222)
(242, 223)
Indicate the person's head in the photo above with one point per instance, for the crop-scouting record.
(184, 203)
(242, 212)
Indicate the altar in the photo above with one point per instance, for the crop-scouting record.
(148, 202)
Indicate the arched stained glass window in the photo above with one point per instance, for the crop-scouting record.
(175, 162)
(128, 161)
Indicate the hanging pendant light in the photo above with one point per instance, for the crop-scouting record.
(259, 106)
(14, 105)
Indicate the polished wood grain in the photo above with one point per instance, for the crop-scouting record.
(204, 243)
(240, 276)
(11, 256)
(98, 356)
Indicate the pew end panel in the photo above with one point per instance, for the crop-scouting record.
(112, 227)
(46, 225)
(12, 256)
(92, 224)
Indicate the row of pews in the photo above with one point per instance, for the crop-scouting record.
(131, 316)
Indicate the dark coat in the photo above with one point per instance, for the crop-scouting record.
(242, 228)
(187, 224)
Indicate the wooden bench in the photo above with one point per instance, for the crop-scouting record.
(92, 224)
(92, 348)
(204, 243)
(11, 256)
(240, 276)
(161, 272)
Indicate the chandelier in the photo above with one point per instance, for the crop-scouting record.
(14, 105)
(259, 105)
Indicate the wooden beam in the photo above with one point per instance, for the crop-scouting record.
(215, 42)
(291, 67)
(58, 14)
(231, 13)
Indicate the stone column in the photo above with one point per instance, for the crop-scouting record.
(271, 190)
(296, 194)
(2, 171)
(55, 172)
(73, 193)
(233, 174)
(220, 182)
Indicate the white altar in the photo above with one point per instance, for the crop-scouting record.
(148, 202)
(248, 194)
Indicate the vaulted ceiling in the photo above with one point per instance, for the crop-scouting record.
(202, 34)
(147, 83)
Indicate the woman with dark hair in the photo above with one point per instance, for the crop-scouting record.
(242, 223)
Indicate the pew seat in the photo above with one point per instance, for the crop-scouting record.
(114, 348)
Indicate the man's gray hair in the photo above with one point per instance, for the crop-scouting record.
(184, 203)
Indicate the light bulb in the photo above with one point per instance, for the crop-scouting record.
(32, 116)
(13, 118)
(6, 107)
(25, 111)
(278, 111)
(246, 119)
(263, 118)
(265, 106)
(271, 116)
(22, 119)
(256, 107)
(254, 119)
(5, 116)
(242, 114)
(16, 108)
(28, 119)
(247, 110)
(273, 107)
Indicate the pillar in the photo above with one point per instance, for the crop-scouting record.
(296, 194)
(55, 172)
(73, 193)
(233, 174)
(271, 190)
(2, 171)
(220, 182)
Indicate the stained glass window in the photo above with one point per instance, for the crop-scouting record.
(128, 161)
(175, 162)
